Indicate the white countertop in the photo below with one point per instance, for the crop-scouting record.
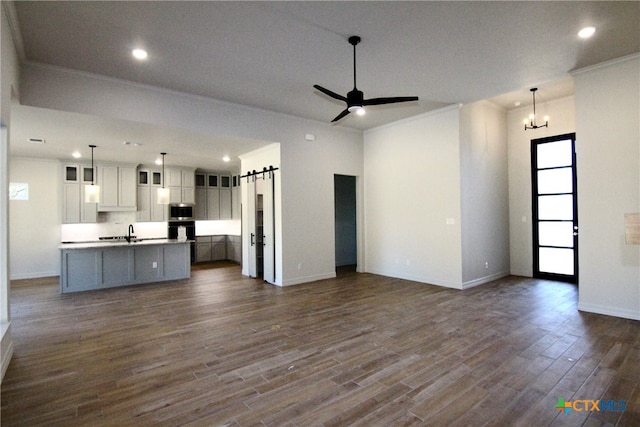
(119, 243)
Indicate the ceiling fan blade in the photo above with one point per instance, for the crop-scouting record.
(393, 100)
(330, 93)
(341, 115)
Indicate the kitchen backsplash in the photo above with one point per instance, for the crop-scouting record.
(117, 224)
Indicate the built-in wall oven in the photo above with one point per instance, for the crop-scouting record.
(190, 228)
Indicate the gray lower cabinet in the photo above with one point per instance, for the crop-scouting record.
(120, 265)
(203, 248)
(218, 248)
(234, 249)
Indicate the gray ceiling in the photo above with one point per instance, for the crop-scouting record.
(269, 54)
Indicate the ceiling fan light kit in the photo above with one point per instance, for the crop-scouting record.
(355, 98)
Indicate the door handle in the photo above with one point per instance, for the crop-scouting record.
(253, 239)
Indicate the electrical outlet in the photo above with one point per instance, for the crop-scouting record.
(486, 264)
(155, 264)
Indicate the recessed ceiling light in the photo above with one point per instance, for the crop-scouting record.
(140, 54)
(158, 161)
(516, 104)
(76, 154)
(226, 158)
(586, 32)
(132, 144)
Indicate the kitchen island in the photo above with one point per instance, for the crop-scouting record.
(97, 265)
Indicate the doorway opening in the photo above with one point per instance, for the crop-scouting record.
(555, 208)
(346, 242)
(261, 225)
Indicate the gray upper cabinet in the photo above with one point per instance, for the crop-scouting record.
(74, 209)
(235, 197)
(225, 196)
(215, 196)
(200, 210)
(149, 210)
(118, 190)
(181, 184)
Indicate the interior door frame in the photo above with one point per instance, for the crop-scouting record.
(534, 206)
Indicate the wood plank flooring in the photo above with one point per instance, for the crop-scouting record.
(361, 349)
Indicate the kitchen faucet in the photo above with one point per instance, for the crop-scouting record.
(129, 233)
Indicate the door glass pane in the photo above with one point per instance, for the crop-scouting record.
(555, 207)
(554, 154)
(555, 181)
(555, 234)
(558, 261)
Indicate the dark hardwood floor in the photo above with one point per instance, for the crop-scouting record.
(366, 350)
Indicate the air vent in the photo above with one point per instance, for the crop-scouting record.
(36, 140)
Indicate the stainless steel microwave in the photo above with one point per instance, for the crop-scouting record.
(180, 212)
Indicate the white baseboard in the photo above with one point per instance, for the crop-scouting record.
(307, 279)
(483, 280)
(609, 311)
(425, 280)
(6, 344)
(34, 275)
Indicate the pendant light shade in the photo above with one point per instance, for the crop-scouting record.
(530, 123)
(92, 191)
(164, 194)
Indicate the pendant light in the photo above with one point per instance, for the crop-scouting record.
(163, 193)
(92, 191)
(530, 123)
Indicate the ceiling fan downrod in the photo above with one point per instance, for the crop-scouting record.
(354, 40)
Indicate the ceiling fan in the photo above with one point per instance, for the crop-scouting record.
(355, 99)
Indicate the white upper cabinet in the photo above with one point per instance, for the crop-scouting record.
(181, 184)
(74, 209)
(118, 189)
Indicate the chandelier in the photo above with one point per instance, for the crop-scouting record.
(530, 123)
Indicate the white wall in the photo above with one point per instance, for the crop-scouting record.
(561, 114)
(484, 193)
(34, 249)
(608, 130)
(412, 187)
(307, 168)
